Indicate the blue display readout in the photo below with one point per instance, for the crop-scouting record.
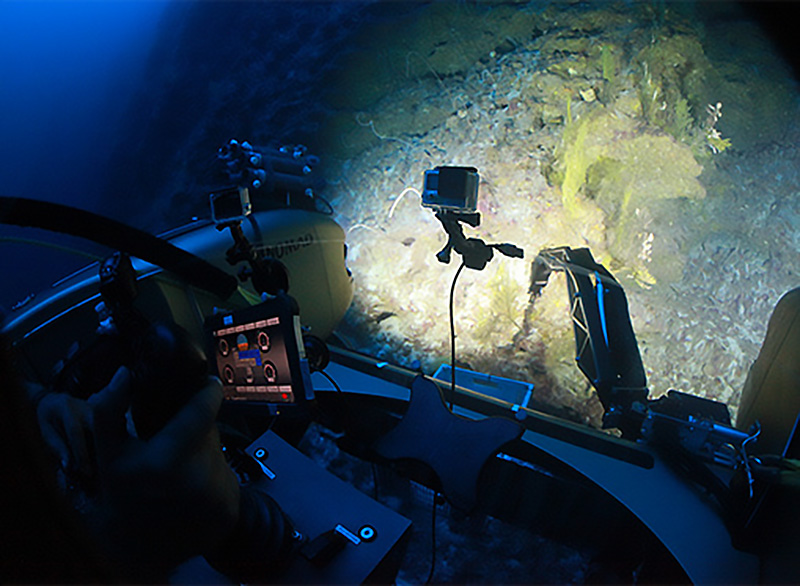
(251, 355)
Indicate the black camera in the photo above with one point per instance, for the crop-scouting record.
(230, 204)
(451, 189)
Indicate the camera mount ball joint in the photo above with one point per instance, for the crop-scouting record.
(474, 251)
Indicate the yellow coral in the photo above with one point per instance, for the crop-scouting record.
(717, 143)
(624, 170)
(585, 141)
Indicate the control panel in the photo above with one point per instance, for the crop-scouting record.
(258, 353)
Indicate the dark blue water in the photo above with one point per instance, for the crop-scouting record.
(69, 72)
(103, 104)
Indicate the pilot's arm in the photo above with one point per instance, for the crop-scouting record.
(166, 499)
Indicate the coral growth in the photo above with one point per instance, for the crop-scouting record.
(615, 163)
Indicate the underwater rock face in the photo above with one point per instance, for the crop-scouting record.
(640, 174)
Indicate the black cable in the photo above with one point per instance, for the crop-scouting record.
(433, 539)
(453, 338)
(330, 378)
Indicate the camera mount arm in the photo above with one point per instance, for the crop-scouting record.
(268, 274)
(475, 252)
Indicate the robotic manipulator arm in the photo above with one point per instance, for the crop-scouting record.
(694, 434)
(608, 355)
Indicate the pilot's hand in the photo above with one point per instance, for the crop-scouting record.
(65, 424)
(166, 499)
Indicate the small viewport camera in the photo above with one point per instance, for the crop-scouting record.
(451, 189)
(230, 204)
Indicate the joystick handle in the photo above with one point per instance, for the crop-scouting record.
(170, 368)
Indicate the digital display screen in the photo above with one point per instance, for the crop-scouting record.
(252, 360)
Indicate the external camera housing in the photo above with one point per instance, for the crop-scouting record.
(451, 189)
(230, 204)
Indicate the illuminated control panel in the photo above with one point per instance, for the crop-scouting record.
(258, 353)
